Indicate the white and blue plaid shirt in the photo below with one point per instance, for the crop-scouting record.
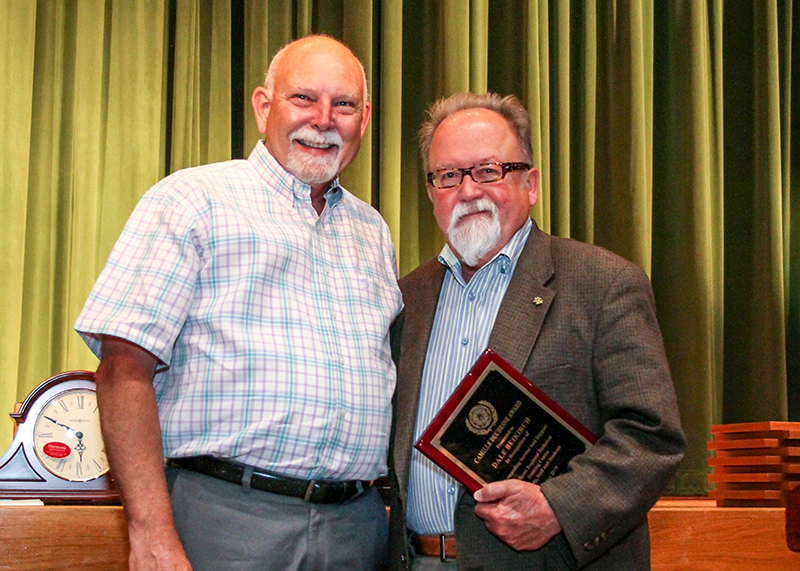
(464, 319)
(272, 322)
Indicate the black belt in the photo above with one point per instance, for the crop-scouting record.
(312, 491)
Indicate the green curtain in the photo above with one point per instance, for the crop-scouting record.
(83, 119)
(662, 131)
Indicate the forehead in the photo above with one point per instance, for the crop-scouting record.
(471, 136)
(320, 66)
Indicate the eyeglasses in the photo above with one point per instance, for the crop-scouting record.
(482, 174)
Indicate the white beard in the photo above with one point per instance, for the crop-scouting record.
(314, 169)
(472, 239)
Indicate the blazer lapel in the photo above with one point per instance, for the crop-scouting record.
(419, 312)
(513, 336)
(526, 302)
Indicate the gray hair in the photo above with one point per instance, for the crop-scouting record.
(507, 107)
(275, 64)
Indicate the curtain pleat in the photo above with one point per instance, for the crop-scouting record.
(455, 45)
(537, 95)
(387, 111)
(584, 116)
(18, 27)
(688, 223)
(201, 107)
(50, 168)
(754, 337)
(662, 131)
(357, 33)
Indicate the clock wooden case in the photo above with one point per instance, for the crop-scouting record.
(58, 455)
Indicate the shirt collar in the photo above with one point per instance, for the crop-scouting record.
(507, 256)
(285, 183)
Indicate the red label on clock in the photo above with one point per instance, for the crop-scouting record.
(57, 450)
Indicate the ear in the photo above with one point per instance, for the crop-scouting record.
(260, 103)
(430, 188)
(533, 186)
(365, 115)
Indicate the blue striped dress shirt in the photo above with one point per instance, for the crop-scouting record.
(464, 319)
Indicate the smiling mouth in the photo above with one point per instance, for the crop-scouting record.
(312, 145)
(474, 213)
(468, 217)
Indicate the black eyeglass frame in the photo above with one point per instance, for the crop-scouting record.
(507, 167)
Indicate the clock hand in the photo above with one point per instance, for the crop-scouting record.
(80, 447)
(54, 421)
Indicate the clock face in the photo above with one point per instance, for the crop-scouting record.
(67, 438)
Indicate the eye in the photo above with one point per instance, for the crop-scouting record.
(301, 99)
(488, 170)
(345, 107)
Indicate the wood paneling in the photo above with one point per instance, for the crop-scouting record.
(63, 538)
(686, 535)
(695, 535)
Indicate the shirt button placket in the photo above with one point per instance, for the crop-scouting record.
(468, 324)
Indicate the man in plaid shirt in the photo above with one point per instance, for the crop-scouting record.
(242, 324)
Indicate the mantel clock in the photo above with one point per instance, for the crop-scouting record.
(58, 455)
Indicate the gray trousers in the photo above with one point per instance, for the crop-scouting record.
(224, 527)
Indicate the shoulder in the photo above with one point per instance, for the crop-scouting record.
(568, 250)
(187, 185)
(428, 274)
(360, 210)
(185, 199)
(588, 262)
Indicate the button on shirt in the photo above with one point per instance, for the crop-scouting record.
(271, 322)
(464, 319)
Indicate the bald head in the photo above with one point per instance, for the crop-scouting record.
(309, 44)
(313, 109)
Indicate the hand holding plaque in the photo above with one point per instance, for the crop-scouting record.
(497, 425)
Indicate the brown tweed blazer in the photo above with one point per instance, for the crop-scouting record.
(595, 347)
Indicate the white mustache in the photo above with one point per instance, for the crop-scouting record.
(313, 138)
(463, 209)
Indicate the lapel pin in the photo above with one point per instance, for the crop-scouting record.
(537, 300)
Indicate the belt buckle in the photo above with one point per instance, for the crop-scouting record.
(359, 490)
(309, 491)
(443, 550)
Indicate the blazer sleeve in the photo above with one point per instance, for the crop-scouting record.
(608, 490)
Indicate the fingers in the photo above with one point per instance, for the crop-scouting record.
(496, 491)
(518, 513)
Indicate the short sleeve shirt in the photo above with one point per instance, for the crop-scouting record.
(271, 322)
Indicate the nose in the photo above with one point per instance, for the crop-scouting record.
(469, 190)
(323, 116)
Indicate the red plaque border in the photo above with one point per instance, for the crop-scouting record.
(478, 372)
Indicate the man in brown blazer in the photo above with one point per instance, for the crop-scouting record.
(575, 319)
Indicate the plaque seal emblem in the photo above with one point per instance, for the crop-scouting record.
(481, 418)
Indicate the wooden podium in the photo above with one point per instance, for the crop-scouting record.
(695, 534)
(686, 535)
(63, 538)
